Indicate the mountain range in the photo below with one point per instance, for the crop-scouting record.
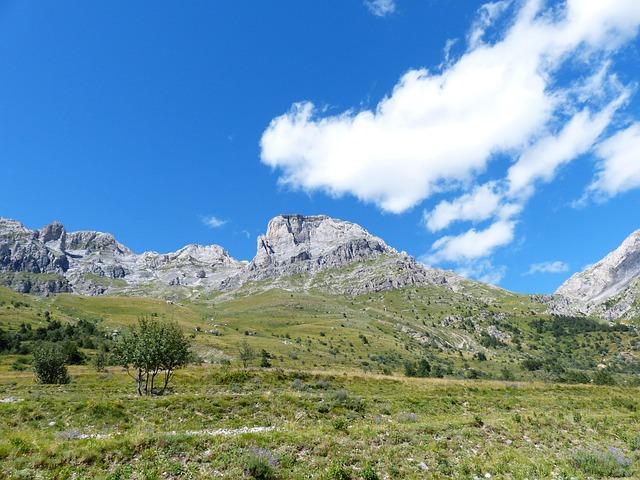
(295, 250)
(296, 253)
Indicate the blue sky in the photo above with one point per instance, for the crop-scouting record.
(471, 135)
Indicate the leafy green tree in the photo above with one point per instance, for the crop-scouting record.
(247, 354)
(49, 364)
(151, 348)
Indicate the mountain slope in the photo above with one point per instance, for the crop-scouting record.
(609, 288)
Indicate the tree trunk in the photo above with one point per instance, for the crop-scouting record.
(167, 376)
(140, 382)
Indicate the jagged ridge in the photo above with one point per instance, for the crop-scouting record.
(608, 288)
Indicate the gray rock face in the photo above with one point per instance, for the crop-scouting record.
(21, 250)
(52, 260)
(296, 244)
(608, 288)
(328, 254)
(335, 256)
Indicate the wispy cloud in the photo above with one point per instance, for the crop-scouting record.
(381, 8)
(212, 221)
(556, 266)
(482, 270)
(619, 166)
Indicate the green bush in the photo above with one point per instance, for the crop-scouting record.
(603, 463)
(49, 364)
(368, 473)
(258, 468)
(337, 471)
(603, 377)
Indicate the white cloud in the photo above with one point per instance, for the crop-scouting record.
(556, 266)
(472, 244)
(542, 160)
(482, 270)
(435, 132)
(619, 168)
(381, 8)
(487, 15)
(480, 204)
(212, 221)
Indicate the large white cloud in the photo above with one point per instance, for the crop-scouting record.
(438, 130)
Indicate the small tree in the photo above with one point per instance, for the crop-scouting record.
(100, 359)
(247, 354)
(151, 348)
(265, 359)
(49, 364)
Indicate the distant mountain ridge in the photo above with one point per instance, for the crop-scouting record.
(52, 260)
(609, 288)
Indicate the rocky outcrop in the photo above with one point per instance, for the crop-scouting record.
(608, 288)
(297, 244)
(96, 263)
(21, 250)
(319, 252)
(296, 252)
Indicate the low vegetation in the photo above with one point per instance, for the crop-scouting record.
(410, 383)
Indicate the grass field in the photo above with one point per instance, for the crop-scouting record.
(337, 403)
(329, 425)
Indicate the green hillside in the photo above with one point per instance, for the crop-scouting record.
(475, 332)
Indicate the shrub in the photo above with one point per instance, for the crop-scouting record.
(337, 471)
(480, 356)
(340, 424)
(49, 364)
(506, 374)
(603, 463)
(20, 364)
(73, 355)
(424, 368)
(532, 364)
(265, 359)
(100, 360)
(410, 369)
(603, 377)
(247, 354)
(258, 467)
(368, 473)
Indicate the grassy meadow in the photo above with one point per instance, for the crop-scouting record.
(337, 401)
(325, 425)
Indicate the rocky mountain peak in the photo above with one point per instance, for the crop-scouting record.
(297, 243)
(291, 254)
(9, 227)
(603, 287)
(53, 232)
